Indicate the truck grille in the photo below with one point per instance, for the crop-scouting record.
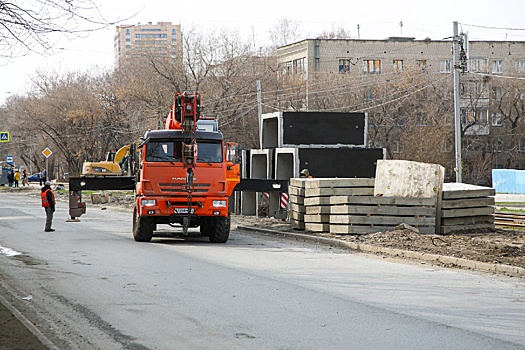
(179, 188)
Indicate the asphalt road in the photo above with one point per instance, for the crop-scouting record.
(90, 286)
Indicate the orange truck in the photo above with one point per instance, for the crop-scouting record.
(186, 174)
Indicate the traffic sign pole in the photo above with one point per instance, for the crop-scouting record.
(47, 153)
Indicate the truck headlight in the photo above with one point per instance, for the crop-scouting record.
(149, 202)
(217, 204)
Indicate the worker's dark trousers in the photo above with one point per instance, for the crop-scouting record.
(49, 217)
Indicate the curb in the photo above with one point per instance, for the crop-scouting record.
(30, 326)
(449, 260)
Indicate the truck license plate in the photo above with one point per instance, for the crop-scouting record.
(182, 210)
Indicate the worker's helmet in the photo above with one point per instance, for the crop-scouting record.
(305, 172)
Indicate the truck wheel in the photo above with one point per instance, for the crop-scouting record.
(207, 226)
(221, 232)
(142, 227)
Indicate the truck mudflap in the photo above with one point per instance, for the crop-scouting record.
(76, 206)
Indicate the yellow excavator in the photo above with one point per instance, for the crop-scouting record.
(116, 164)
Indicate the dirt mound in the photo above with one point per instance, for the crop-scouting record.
(498, 247)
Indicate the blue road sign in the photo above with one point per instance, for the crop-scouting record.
(4, 136)
(9, 160)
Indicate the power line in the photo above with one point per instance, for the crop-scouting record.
(497, 76)
(489, 27)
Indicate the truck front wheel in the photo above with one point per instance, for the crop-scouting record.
(142, 227)
(207, 226)
(221, 233)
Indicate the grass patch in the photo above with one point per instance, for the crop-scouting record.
(509, 203)
(511, 210)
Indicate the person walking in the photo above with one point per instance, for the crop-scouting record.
(48, 202)
(24, 178)
(43, 176)
(17, 178)
(10, 177)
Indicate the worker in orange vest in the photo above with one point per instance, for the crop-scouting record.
(305, 174)
(48, 202)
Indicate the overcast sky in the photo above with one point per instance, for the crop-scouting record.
(378, 19)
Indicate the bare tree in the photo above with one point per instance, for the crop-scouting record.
(285, 32)
(29, 26)
(77, 115)
(335, 33)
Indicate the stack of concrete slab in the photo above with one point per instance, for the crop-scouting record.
(369, 214)
(466, 207)
(297, 210)
(314, 213)
(403, 192)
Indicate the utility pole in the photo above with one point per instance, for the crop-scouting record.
(457, 111)
(259, 112)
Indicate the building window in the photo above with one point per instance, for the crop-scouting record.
(498, 145)
(498, 92)
(520, 66)
(497, 67)
(497, 119)
(286, 68)
(397, 147)
(151, 36)
(299, 66)
(445, 146)
(397, 65)
(521, 146)
(476, 89)
(422, 64)
(367, 95)
(344, 66)
(479, 65)
(469, 116)
(445, 66)
(372, 66)
(482, 116)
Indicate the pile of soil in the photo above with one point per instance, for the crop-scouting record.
(499, 246)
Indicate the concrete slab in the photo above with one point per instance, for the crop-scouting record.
(340, 182)
(452, 190)
(403, 178)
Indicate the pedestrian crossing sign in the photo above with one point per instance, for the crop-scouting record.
(4, 136)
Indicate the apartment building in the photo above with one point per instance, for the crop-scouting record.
(491, 67)
(393, 55)
(163, 39)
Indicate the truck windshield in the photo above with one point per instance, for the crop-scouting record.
(209, 152)
(163, 151)
(170, 151)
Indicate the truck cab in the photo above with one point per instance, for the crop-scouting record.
(163, 195)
